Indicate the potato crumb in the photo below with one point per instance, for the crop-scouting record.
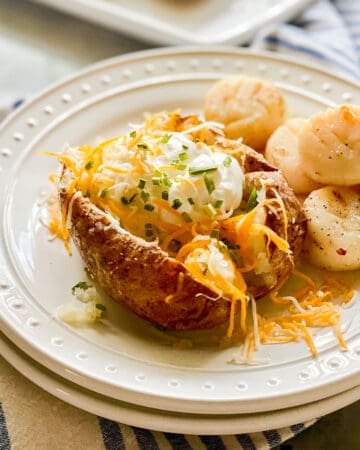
(84, 313)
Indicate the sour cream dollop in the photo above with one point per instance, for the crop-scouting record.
(192, 177)
(170, 176)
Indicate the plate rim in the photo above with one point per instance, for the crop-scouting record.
(154, 419)
(175, 51)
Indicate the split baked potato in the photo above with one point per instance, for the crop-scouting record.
(178, 223)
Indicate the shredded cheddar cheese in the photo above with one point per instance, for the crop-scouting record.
(312, 307)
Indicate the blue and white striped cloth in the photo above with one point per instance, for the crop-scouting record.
(329, 32)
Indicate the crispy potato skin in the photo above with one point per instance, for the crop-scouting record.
(249, 159)
(141, 276)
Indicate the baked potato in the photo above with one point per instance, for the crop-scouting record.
(176, 259)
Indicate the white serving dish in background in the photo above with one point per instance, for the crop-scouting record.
(170, 22)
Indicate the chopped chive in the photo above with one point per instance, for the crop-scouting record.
(144, 196)
(165, 195)
(88, 193)
(191, 201)
(223, 247)
(209, 183)
(214, 233)
(141, 183)
(229, 244)
(176, 203)
(124, 201)
(166, 180)
(157, 173)
(100, 306)
(133, 134)
(80, 285)
(143, 146)
(180, 166)
(174, 245)
(186, 217)
(201, 170)
(149, 207)
(183, 156)
(148, 226)
(210, 210)
(166, 138)
(218, 203)
(252, 200)
(103, 193)
(132, 198)
(89, 165)
(156, 181)
(227, 161)
(233, 256)
(87, 271)
(185, 147)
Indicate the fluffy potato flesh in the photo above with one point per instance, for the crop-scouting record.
(263, 280)
(194, 285)
(249, 108)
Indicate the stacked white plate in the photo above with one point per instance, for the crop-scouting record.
(124, 368)
(184, 22)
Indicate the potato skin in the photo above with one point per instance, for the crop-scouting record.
(249, 159)
(139, 275)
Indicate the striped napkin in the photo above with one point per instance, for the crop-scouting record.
(31, 419)
(328, 31)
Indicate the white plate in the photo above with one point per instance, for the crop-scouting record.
(184, 21)
(164, 420)
(128, 359)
